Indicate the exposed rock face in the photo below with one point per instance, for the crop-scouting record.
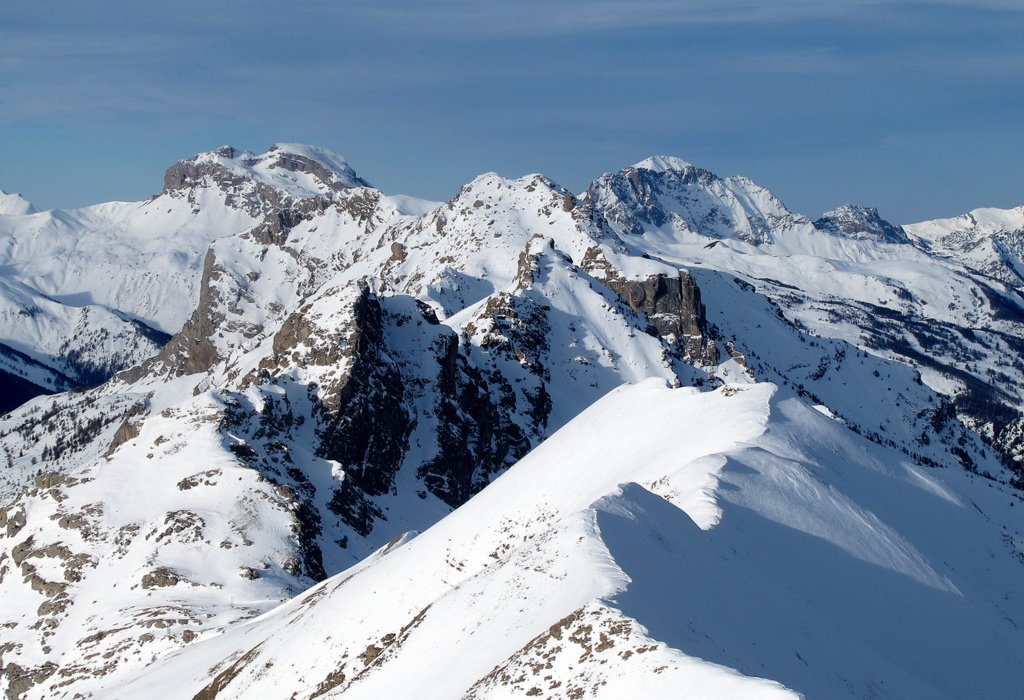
(476, 438)
(863, 223)
(185, 177)
(674, 308)
(515, 329)
(192, 350)
(637, 191)
(366, 419)
(248, 181)
(20, 680)
(365, 423)
(274, 228)
(672, 305)
(191, 172)
(318, 396)
(297, 163)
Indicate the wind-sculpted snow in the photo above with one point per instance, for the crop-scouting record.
(587, 554)
(352, 368)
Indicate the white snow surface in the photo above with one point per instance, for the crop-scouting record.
(14, 204)
(753, 547)
(985, 221)
(72, 340)
(142, 258)
(989, 240)
(663, 163)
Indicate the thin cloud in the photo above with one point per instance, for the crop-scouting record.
(535, 18)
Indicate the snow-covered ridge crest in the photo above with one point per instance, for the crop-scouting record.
(696, 541)
(358, 365)
(984, 221)
(663, 164)
(989, 240)
(12, 204)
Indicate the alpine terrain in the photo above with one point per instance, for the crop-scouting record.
(273, 433)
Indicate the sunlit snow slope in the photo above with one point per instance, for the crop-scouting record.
(666, 543)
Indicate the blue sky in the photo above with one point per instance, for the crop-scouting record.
(914, 107)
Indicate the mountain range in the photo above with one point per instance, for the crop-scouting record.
(274, 433)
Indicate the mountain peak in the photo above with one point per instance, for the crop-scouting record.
(665, 191)
(286, 152)
(663, 164)
(859, 222)
(289, 171)
(14, 204)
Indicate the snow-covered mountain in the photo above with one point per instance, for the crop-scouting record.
(350, 368)
(140, 261)
(861, 222)
(14, 204)
(988, 240)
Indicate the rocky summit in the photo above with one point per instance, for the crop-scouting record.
(275, 433)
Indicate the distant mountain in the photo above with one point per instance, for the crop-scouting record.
(669, 195)
(861, 223)
(131, 270)
(821, 439)
(990, 241)
(14, 205)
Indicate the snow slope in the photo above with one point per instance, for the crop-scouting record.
(734, 536)
(82, 344)
(883, 292)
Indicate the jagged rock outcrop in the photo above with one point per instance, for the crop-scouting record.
(274, 228)
(382, 384)
(672, 305)
(476, 436)
(364, 421)
(674, 308)
(663, 192)
(192, 350)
